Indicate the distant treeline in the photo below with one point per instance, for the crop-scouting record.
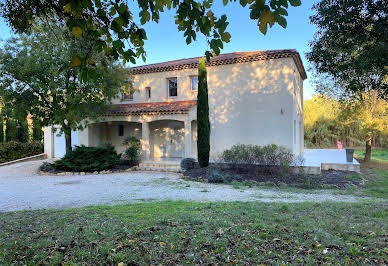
(327, 121)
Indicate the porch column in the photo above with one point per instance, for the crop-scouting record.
(49, 142)
(145, 139)
(187, 138)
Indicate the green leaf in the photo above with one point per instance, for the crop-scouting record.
(295, 2)
(282, 21)
(77, 31)
(75, 62)
(225, 2)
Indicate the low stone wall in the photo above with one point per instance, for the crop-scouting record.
(41, 156)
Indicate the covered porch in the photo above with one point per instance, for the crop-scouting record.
(164, 135)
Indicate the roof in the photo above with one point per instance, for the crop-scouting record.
(223, 59)
(134, 108)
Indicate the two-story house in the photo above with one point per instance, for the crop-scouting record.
(254, 98)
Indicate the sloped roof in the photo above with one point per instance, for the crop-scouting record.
(223, 59)
(134, 108)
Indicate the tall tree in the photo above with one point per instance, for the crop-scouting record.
(119, 33)
(351, 44)
(351, 47)
(203, 123)
(35, 68)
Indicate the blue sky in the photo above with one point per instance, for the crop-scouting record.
(166, 43)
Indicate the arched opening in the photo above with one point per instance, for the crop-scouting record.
(167, 140)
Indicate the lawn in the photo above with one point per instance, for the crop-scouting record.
(377, 154)
(198, 233)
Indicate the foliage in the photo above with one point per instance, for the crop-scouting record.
(351, 45)
(215, 177)
(116, 31)
(203, 129)
(271, 155)
(132, 151)
(327, 120)
(88, 159)
(269, 159)
(188, 163)
(198, 233)
(13, 150)
(35, 73)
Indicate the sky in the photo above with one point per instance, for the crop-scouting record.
(166, 43)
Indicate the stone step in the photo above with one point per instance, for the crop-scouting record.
(160, 164)
(160, 169)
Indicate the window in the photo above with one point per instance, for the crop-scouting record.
(128, 97)
(148, 92)
(194, 83)
(121, 130)
(172, 87)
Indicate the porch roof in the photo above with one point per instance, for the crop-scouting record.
(133, 108)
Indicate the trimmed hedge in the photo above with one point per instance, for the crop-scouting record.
(14, 150)
(88, 159)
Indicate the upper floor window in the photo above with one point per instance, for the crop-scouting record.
(172, 87)
(128, 97)
(148, 92)
(194, 83)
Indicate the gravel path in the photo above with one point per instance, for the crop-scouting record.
(22, 188)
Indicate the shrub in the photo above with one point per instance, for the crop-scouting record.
(270, 158)
(132, 152)
(13, 150)
(188, 164)
(215, 177)
(88, 159)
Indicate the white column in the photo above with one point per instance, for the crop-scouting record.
(187, 138)
(48, 142)
(145, 139)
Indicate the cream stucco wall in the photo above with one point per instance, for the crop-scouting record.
(253, 103)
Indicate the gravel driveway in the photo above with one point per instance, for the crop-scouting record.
(22, 188)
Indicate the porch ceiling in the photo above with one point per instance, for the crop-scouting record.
(135, 108)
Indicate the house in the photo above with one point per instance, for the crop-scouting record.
(254, 98)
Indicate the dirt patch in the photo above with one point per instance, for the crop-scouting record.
(330, 178)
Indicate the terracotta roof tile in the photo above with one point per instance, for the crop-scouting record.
(134, 108)
(223, 59)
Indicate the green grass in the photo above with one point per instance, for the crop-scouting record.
(377, 185)
(377, 154)
(198, 233)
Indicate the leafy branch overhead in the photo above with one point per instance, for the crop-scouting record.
(118, 32)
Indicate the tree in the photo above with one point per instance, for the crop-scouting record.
(115, 30)
(35, 71)
(351, 47)
(351, 44)
(203, 123)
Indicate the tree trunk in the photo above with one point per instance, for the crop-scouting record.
(67, 132)
(368, 149)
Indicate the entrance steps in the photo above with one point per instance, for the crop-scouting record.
(160, 166)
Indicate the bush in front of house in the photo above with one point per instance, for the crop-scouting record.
(272, 159)
(88, 159)
(215, 177)
(14, 150)
(132, 151)
(188, 164)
